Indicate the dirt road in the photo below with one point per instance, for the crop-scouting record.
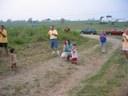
(56, 77)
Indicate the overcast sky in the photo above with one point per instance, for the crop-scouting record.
(56, 9)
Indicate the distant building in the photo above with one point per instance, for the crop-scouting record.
(123, 20)
(108, 20)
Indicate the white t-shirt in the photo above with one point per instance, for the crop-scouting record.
(74, 53)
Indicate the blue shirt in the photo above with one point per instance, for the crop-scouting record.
(103, 37)
(68, 48)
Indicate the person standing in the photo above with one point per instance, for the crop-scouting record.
(13, 59)
(74, 54)
(3, 38)
(125, 44)
(103, 41)
(53, 34)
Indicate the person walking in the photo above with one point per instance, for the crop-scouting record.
(53, 34)
(103, 41)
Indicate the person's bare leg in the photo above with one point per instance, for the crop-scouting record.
(58, 52)
(53, 51)
(126, 55)
(104, 48)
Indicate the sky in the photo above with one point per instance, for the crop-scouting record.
(57, 9)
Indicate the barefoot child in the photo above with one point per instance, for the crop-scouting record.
(13, 58)
(74, 54)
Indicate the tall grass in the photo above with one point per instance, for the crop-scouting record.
(19, 36)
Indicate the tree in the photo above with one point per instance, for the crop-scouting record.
(9, 20)
(101, 18)
(30, 20)
(62, 20)
(108, 16)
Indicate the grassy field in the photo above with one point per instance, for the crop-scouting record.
(108, 80)
(32, 46)
(32, 43)
(21, 33)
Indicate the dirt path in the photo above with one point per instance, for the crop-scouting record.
(83, 72)
(56, 77)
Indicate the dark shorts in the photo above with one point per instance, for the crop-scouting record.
(54, 43)
(5, 45)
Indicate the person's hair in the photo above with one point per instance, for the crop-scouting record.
(12, 50)
(68, 42)
(74, 44)
(2, 26)
(53, 26)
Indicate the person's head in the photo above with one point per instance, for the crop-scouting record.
(52, 27)
(74, 45)
(67, 42)
(103, 32)
(2, 26)
(126, 31)
(12, 50)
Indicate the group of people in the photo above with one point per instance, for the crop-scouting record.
(69, 49)
(4, 44)
(124, 43)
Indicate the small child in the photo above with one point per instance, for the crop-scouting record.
(74, 54)
(13, 58)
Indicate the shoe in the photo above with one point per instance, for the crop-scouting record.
(58, 53)
(103, 50)
(53, 52)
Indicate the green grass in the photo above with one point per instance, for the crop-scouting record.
(32, 43)
(106, 80)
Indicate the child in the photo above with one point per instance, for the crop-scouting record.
(13, 58)
(103, 41)
(74, 54)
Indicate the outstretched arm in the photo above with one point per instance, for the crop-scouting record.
(2, 34)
